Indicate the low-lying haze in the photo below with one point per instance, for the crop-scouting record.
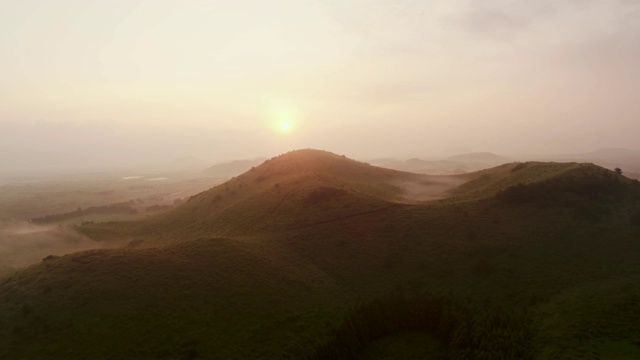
(101, 84)
(23, 244)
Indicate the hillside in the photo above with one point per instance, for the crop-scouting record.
(484, 272)
(610, 158)
(489, 182)
(293, 190)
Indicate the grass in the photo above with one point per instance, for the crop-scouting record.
(150, 302)
(599, 319)
(544, 276)
(407, 345)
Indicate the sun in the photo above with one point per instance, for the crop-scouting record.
(284, 122)
(285, 126)
(283, 117)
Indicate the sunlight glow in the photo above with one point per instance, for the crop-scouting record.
(283, 119)
(285, 126)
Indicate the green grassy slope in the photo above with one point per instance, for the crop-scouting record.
(599, 319)
(544, 270)
(292, 190)
(487, 183)
(209, 297)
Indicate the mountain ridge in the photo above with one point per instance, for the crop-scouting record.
(298, 187)
(279, 286)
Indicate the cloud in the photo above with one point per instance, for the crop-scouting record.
(496, 23)
(504, 20)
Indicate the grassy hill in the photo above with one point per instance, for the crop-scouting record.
(513, 264)
(567, 176)
(200, 297)
(308, 183)
(294, 190)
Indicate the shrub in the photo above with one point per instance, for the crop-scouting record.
(520, 166)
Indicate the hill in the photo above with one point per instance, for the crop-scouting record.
(569, 177)
(294, 190)
(610, 158)
(485, 273)
(627, 160)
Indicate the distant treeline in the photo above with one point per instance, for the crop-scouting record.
(116, 208)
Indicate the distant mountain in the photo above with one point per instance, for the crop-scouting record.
(627, 160)
(186, 160)
(607, 154)
(613, 153)
(480, 157)
(233, 168)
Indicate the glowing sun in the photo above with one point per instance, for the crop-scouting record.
(285, 126)
(284, 123)
(283, 118)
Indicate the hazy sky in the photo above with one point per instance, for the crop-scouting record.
(121, 81)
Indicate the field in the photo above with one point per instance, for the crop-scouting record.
(37, 217)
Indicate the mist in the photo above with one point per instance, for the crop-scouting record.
(107, 84)
(23, 243)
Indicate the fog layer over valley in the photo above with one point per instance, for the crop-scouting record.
(39, 214)
(431, 188)
(23, 243)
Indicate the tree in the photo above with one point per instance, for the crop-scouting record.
(618, 171)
